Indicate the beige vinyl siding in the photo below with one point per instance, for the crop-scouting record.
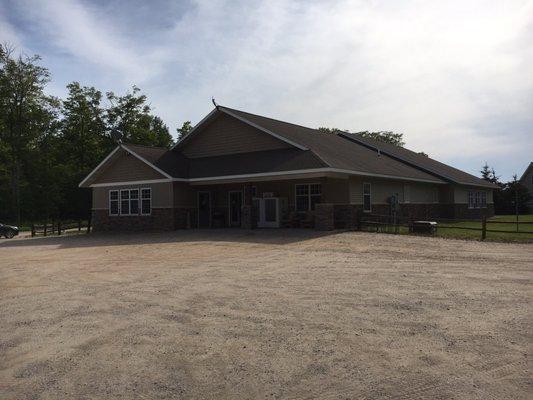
(335, 191)
(445, 194)
(461, 194)
(424, 194)
(228, 135)
(125, 168)
(382, 189)
(184, 195)
(162, 194)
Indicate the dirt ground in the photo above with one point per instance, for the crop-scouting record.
(268, 314)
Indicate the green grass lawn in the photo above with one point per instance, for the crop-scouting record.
(509, 235)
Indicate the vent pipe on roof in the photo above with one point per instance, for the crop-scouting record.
(379, 153)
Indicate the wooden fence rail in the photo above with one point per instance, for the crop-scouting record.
(389, 223)
(59, 227)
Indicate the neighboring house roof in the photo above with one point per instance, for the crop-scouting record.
(311, 150)
(529, 167)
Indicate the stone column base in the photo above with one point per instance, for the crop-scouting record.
(246, 217)
(324, 217)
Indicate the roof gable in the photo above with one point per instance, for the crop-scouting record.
(128, 163)
(225, 134)
(216, 113)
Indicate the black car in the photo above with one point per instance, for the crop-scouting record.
(8, 231)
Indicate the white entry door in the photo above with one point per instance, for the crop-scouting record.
(269, 213)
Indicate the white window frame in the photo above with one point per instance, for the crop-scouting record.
(483, 196)
(477, 199)
(471, 199)
(121, 200)
(309, 195)
(141, 201)
(117, 200)
(130, 200)
(138, 201)
(369, 195)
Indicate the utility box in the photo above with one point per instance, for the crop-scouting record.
(429, 227)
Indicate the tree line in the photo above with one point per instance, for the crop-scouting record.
(48, 145)
(512, 197)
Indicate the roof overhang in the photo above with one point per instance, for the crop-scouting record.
(278, 175)
(302, 173)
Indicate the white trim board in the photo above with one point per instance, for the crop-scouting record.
(265, 175)
(284, 139)
(308, 171)
(194, 129)
(147, 162)
(126, 148)
(108, 184)
(222, 109)
(99, 165)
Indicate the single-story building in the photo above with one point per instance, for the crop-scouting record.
(237, 169)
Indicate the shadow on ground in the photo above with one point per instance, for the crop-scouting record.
(259, 236)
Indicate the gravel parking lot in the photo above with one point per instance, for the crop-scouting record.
(264, 314)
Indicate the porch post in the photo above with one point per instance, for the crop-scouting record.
(246, 214)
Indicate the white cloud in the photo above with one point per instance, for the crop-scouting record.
(454, 76)
(86, 35)
(8, 33)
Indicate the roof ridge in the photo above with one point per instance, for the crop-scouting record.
(146, 146)
(272, 119)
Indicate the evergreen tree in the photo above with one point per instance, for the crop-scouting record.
(185, 129)
(381, 136)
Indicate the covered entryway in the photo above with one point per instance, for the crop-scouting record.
(269, 213)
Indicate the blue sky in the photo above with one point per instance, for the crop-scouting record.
(456, 77)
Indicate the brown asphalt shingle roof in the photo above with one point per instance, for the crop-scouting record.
(336, 151)
(254, 163)
(151, 154)
(421, 161)
(341, 151)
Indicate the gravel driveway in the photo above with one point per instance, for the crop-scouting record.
(267, 314)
